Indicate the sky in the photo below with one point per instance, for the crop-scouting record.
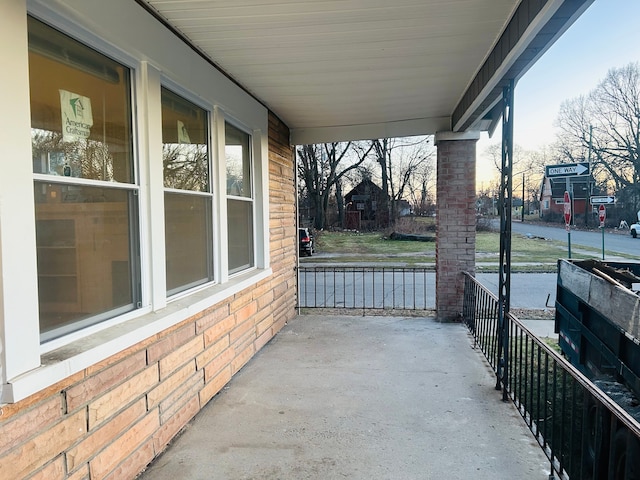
(606, 36)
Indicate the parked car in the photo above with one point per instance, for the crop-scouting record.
(634, 228)
(306, 241)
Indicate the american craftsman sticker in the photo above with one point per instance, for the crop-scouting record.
(77, 118)
(183, 135)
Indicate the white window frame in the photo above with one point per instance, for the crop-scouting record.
(155, 59)
(213, 193)
(250, 199)
(134, 186)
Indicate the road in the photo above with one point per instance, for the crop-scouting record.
(619, 243)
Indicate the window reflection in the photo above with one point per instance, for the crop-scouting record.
(80, 109)
(239, 199)
(186, 167)
(238, 162)
(86, 236)
(185, 153)
(188, 213)
(85, 264)
(240, 219)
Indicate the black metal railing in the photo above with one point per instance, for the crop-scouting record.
(585, 434)
(393, 288)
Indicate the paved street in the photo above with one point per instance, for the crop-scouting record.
(615, 242)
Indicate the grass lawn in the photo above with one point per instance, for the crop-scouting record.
(527, 254)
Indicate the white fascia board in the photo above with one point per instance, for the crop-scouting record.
(453, 136)
(534, 28)
(403, 128)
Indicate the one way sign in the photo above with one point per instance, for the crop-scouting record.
(567, 170)
(603, 200)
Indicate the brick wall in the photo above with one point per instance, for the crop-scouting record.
(456, 224)
(112, 419)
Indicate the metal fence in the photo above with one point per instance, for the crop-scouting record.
(393, 288)
(584, 433)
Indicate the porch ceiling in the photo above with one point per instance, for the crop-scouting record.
(353, 69)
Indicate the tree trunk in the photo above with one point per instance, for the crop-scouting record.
(383, 209)
(318, 219)
(340, 202)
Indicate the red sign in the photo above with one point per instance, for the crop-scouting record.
(567, 209)
(602, 214)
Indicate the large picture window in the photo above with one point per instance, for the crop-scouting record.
(187, 199)
(239, 199)
(84, 183)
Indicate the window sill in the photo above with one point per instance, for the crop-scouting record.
(62, 362)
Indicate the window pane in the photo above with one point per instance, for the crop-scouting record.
(240, 220)
(85, 264)
(86, 236)
(188, 241)
(80, 109)
(238, 162)
(185, 154)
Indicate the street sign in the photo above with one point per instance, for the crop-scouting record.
(567, 170)
(607, 200)
(602, 214)
(567, 209)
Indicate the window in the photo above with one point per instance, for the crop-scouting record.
(187, 198)
(239, 199)
(84, 183)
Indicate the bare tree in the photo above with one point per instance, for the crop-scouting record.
(528, 165)
(185, 167)
(421, 189)
(84, 158)
(402, 162)
(605, 125)
(321, 167)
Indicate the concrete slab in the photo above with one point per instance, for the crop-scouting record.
(358, 398)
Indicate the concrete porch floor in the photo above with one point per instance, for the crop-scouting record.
(336, 397)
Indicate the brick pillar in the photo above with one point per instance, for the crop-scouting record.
(455, 219)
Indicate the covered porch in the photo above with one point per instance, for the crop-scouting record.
(360, 398)
(103, 397)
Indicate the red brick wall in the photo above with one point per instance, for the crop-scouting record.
(456, 224)
(112, 419)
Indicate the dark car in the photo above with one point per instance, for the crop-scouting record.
(305, 241)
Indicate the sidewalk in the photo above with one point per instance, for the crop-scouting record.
(358, 398)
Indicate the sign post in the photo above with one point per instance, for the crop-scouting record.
(567, 218)
(602, 215)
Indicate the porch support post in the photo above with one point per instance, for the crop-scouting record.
(455, 219)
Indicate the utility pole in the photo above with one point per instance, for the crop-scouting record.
(523, 197)
(587, 204)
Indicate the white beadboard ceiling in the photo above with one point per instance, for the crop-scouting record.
(337, 69)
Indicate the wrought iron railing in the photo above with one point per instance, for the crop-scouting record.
(392, 288)
(584, 433)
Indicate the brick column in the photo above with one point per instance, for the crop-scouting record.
(455, 219)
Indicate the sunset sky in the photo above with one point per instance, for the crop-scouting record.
(607, 35)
